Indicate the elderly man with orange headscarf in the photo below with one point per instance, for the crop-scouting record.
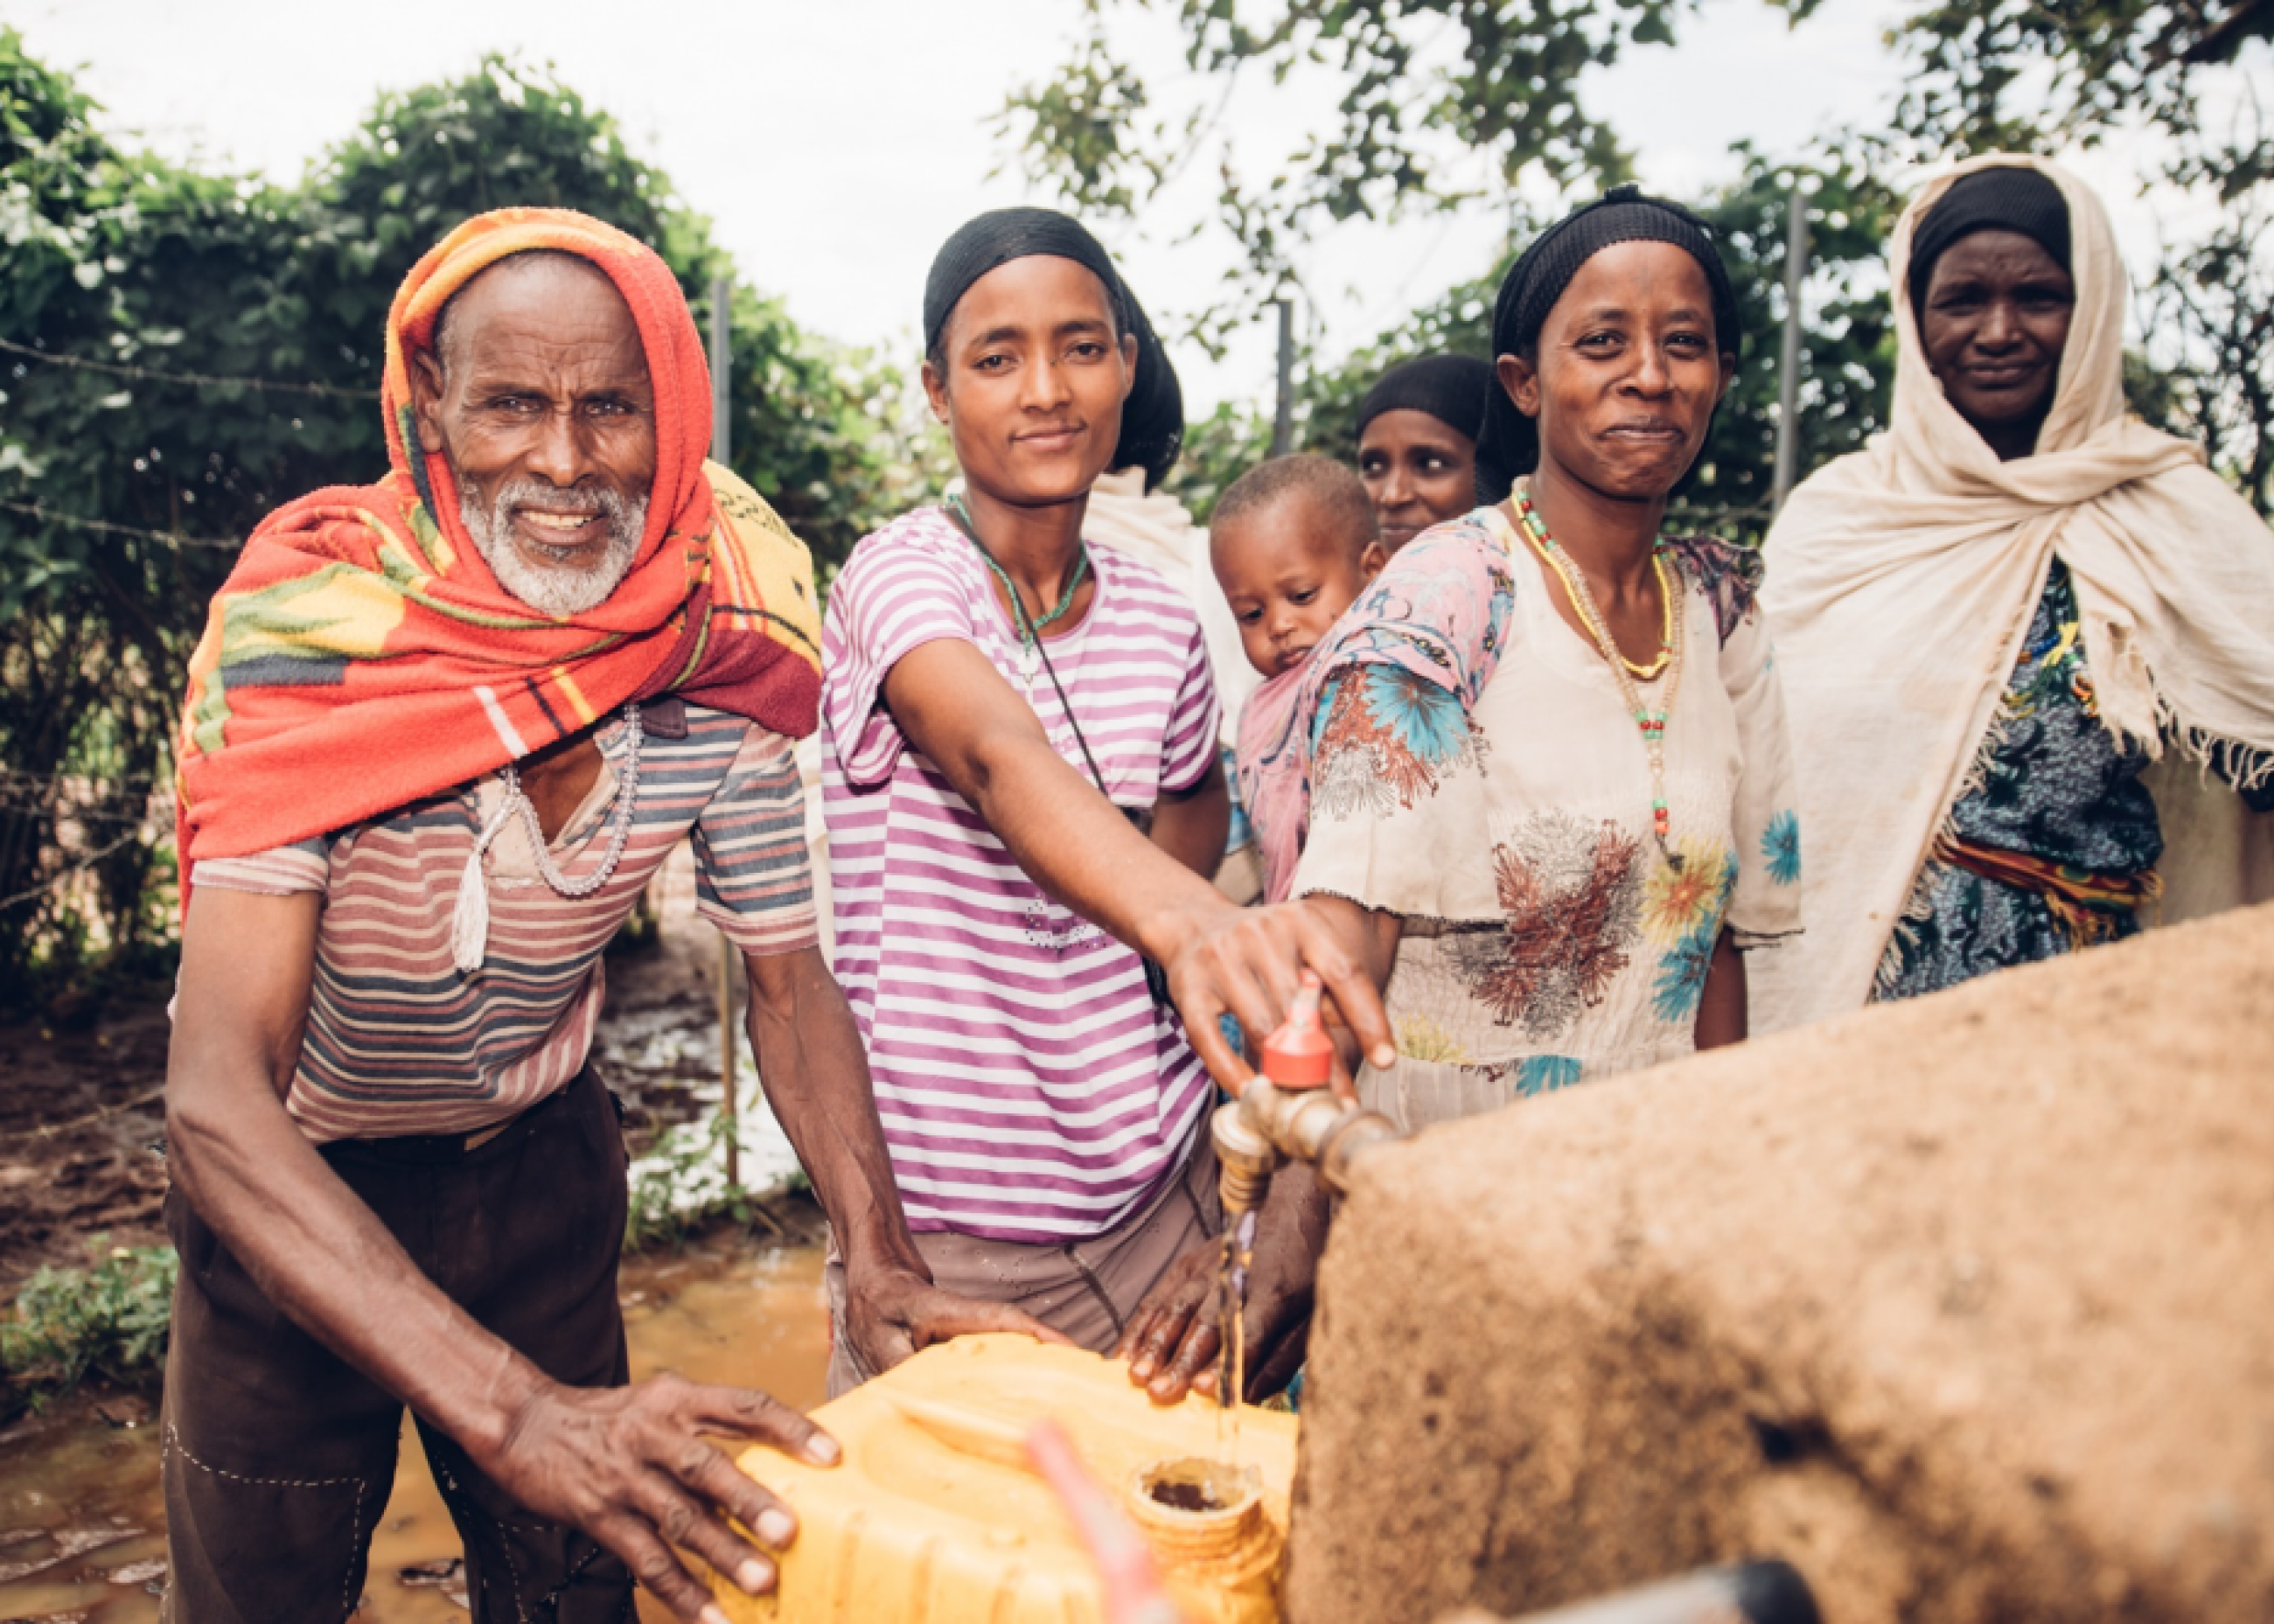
(440, 732)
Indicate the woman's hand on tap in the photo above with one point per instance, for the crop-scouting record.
(1248, 963)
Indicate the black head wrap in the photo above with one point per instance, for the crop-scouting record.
(1509, 446)
(1452, 388)
(2024, 200)
(1153, 417)
(998, 236)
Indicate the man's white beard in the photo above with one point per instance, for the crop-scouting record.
(559, 588)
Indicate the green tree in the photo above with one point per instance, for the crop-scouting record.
(1441, 100)
(2212, 303)
(1453, 103)
(118, 260)
(2008, 75)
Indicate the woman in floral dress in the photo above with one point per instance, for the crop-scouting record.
(1550, 772)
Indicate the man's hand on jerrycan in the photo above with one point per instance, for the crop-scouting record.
(632, 1468)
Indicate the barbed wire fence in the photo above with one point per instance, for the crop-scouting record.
(59, 831)
(159, 375)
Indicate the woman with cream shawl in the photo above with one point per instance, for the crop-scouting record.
(2027, 640)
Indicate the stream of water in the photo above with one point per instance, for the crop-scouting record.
(1231, 1371)
(82, 1530)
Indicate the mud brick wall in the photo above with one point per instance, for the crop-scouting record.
(1964, 1306)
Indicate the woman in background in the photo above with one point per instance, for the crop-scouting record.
(1417, 441)
(1994, 621)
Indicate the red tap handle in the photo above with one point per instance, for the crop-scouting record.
(1300, 1054)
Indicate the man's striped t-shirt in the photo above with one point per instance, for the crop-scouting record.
(1029, 1089)
(400, 1041)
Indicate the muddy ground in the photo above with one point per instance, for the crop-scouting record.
(82, 1135)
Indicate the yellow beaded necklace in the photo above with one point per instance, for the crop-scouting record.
(1648, 722)
(1536, 532)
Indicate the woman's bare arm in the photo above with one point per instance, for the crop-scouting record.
(955, 707)
(1721, 1008)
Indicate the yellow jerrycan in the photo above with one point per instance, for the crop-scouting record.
(934, 1517)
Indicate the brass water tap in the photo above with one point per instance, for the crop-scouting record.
(1287, 1112)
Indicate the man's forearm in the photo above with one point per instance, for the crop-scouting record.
(816, 1077)
(311, 1245)
(325, 1259)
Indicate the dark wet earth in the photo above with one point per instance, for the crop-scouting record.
(82, 1533)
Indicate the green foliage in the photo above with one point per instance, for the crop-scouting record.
(1446, 103)
(680, 1187)
(108, 1321)
(1507, 85)
(1081, 126)
(156, 271)
(1222, 446)
(1848, 341)
(2024, 75)
(1846, 357)
(2214, 302)
(1442, 102)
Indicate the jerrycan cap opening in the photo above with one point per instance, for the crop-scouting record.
(1196, 1487)
(1200, 1515)
(1300, 1054)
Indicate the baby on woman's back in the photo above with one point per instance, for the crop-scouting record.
(1293, 541)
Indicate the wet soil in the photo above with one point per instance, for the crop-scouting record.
(80, 1125)
(82, 1134)
(82, 1533)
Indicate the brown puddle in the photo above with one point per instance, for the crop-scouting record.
(82, 1533)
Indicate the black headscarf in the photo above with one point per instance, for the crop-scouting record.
(1153, 417)
(1509, 446)
(1452, 388)
(2024, 200)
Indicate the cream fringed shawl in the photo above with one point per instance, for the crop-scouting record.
(1901, 580)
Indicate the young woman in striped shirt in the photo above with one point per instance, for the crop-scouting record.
(1024, 800)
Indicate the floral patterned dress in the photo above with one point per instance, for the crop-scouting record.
(2050, 785)
(1476, 771)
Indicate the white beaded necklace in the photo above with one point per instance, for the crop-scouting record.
(470, 922)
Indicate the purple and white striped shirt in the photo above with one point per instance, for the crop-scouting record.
(1029, 1089)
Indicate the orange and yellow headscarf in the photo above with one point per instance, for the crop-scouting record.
(361, 655)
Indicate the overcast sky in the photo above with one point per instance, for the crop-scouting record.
(836, 144)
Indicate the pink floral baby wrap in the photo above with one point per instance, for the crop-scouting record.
(1273, 759)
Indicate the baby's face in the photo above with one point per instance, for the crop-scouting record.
(1289, 574)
